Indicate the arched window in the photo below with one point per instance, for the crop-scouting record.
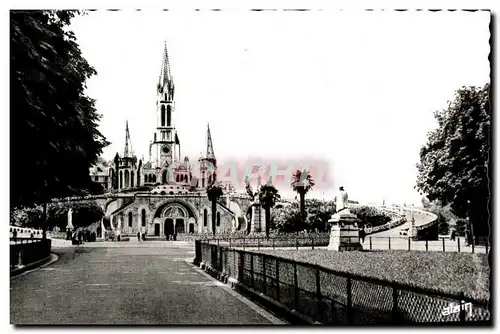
(218, 218)
(143, 217)
(164, 177)
(169, 115)
(121, 179)
(166, 97)
(177, 178)
(154, 178)
(145, 178)
(130, 219)
(162, 115)
(205, 217)
(127, 179)
(132, 179)
(185, 178)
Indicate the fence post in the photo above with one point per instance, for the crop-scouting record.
(264, 277)
(487, 243)
(230, 242)
(395, 316)
(318, 291)
(462, 309)
(296, 243)
(277, 279)
(370, 243)
(241, 269)
(389, 243)
(473, 242)
(444, 249)
(251, 270)
(221, 259)
(312, 239)
(409, 243)
(426, 244)
(458, 244)
(296, 286)
(349, 299)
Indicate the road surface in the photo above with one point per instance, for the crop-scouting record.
(134, 283)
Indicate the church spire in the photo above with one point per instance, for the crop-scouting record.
(127, 152)
(166, 82)
(210, 147)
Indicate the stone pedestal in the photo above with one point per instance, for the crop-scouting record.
(344, 235)
(258, 222)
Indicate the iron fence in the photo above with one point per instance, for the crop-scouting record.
(369, 243)
(331, 297)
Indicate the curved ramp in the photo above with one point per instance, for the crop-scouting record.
(422, 219)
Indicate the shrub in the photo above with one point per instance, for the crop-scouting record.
(370, 216)
(27, 217)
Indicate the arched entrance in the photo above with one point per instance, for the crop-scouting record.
(175, 217)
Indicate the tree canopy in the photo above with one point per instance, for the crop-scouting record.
(54, 135)
(454, 165)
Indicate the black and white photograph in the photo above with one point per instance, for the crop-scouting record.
(249, 167)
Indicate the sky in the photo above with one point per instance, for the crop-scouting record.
(354, 89)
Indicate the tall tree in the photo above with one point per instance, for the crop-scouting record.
(302, 183)
(54, 136)
(214, 192)
(268, 195)
(454, 165)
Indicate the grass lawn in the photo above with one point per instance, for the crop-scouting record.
(447, 272)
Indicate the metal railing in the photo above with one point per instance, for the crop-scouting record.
(441, 244)
(369, 243)
(332, 297)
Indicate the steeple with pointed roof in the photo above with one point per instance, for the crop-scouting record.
(166, 81)
(127, 152)
(210, 148)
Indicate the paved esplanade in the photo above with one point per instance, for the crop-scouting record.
(129, 284)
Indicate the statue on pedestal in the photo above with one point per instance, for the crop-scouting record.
(344, 235)
(69, 226)
(341, 200)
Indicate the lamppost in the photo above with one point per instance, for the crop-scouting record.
(471, 226)
(413, 232)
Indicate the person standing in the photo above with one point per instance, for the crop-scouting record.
(139, 236)
(362, 234)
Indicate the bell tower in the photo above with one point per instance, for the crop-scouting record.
(166, 144)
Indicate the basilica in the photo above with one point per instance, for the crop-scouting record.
(166, 194)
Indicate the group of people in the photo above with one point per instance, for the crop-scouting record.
(141, 236)
(172, 237)
(83, 236)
